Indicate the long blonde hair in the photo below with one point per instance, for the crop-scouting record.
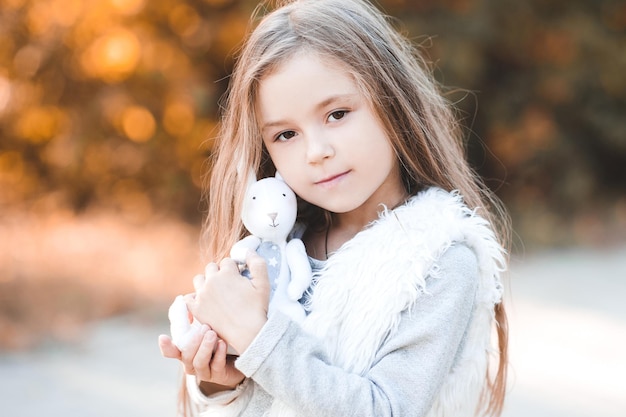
(420, 122)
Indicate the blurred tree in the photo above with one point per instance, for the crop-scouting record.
(545, 108)
(112, 103)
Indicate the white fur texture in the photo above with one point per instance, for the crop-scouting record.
(353, 310)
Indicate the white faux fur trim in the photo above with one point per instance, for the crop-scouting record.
(403, 245)
(223, 404)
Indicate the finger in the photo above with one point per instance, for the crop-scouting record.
(167, 347)
(190, 350)
(219, 357)
(198, 282)
(258, 271)
(203, 356)
(229, 264)
(190, 301)
(211, 268)
(192, 304)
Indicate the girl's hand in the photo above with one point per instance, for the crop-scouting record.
(235, 306)
(205, 357)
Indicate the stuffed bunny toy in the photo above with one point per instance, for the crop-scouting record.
(269, 214)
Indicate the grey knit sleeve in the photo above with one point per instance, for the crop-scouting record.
(288, 364)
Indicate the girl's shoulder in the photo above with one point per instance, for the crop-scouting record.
(459, 257)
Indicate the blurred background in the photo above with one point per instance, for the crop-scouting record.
(107, 112)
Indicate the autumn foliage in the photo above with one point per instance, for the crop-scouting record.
(108, 108)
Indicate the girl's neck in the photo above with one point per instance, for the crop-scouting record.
(344, 226)
(358, 219)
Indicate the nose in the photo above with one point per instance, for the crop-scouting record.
(319, 148)
(272, 216)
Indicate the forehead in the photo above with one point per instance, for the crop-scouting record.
(308, 61)
(305, 76)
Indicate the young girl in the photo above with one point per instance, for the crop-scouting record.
(405, 244)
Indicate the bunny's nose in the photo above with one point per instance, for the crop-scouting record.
(272, 216)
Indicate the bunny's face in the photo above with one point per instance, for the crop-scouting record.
(269, 210)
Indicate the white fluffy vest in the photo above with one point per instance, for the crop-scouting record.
(353, 310)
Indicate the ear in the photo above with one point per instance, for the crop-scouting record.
(279, 177)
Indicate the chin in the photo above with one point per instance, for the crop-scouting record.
(339, 208)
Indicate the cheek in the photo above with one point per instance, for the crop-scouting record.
(277, 160)
(289, 171)
(285, 160)
(292, 178)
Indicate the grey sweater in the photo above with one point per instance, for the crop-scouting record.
(286, 363)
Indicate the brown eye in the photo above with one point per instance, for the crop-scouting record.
(285, 136)
(337, 115)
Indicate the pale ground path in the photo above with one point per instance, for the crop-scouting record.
(117, 371)
(568, 344)
(568, 340)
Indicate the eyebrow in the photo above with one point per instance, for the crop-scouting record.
(318, 106)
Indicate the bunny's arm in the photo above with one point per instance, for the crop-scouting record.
(300, 269)
(240, 249)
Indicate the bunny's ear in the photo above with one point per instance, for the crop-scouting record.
(251, 178)
(278, 176)
(247, 171)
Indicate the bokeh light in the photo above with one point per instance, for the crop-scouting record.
(138, 123)
(179, 117)
(39, 124)
(113, 56)
(128, 7)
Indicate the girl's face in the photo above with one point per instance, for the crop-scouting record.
(325, 139)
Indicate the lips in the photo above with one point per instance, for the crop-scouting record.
(332, 179)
